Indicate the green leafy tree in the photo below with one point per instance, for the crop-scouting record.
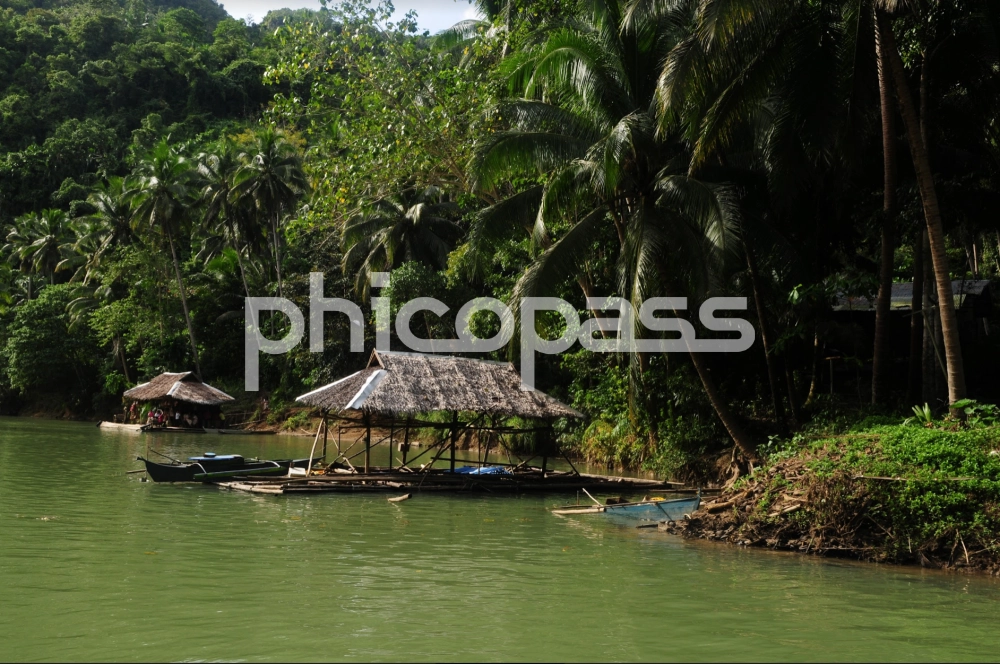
(37, 242)
(42, 355)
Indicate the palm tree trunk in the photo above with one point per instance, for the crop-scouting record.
(772, 370)
(916, 322)
(880, 367)
(246, 288)
(726, 416)
(184, 305)
(814, 374)
(722, 411)
(793, 408)
(932, 322)
(121, 356)
(277, 253)
(932, 215)
(243, 272)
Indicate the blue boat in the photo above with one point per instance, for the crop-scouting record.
(645, 510)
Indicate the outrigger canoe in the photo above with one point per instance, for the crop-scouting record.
(212, 467)
(646, 510)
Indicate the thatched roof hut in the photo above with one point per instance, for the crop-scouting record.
(970, 295)
(407, 384)
(178, 386)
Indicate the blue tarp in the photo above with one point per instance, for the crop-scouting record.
(485, 470)
(211, 456)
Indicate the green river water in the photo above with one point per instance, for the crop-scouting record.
(96, 565)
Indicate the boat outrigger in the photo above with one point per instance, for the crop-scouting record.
(651, 510)
(213, 467)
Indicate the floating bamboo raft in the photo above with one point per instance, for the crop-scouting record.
(526, 480)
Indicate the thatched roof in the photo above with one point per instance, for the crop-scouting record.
(411, 383)
(967, 293)
(180, 386)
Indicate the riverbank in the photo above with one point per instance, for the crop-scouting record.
(907, 494)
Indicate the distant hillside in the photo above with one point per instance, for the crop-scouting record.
(85, 86)
(209, 10)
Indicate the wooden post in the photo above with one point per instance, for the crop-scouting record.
(325, 427)
(368, 442)
(312, 453)
(406, 440)
(454, 437)
(392, 430)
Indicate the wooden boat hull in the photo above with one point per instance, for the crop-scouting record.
(647, 510)
(117, 426)
(210, 472)
(162, 472)
(150, 428)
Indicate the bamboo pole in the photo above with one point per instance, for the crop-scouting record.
(311, 453)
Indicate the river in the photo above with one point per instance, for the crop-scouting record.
(96, 565)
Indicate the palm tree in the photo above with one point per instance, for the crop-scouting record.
(108, 227)
(744, 58)
(16, 249)
(917, 140)
(585, 120)
(956, 59)
(272, 179)
(113, 213)
(797, 78)
(887, 106)
(161, 198)
(411, 225)
(227, 214)
(37, 242)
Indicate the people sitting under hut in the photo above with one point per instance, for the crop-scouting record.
(180, 399)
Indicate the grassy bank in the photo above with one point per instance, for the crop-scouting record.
(918, 493)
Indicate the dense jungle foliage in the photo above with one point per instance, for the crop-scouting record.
(160, 161)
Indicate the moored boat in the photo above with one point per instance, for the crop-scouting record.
(645, 510)
(212, 467)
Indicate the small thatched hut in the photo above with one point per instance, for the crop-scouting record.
(395, 388)
(183, 397)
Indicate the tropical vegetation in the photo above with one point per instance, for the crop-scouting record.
(161, 161)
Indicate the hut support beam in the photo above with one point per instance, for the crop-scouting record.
(325, 427)
(368, 443)
(435, 446)
(312, 453)
(454, 437)
(406, 440)
(566, 456)
(392, 430)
